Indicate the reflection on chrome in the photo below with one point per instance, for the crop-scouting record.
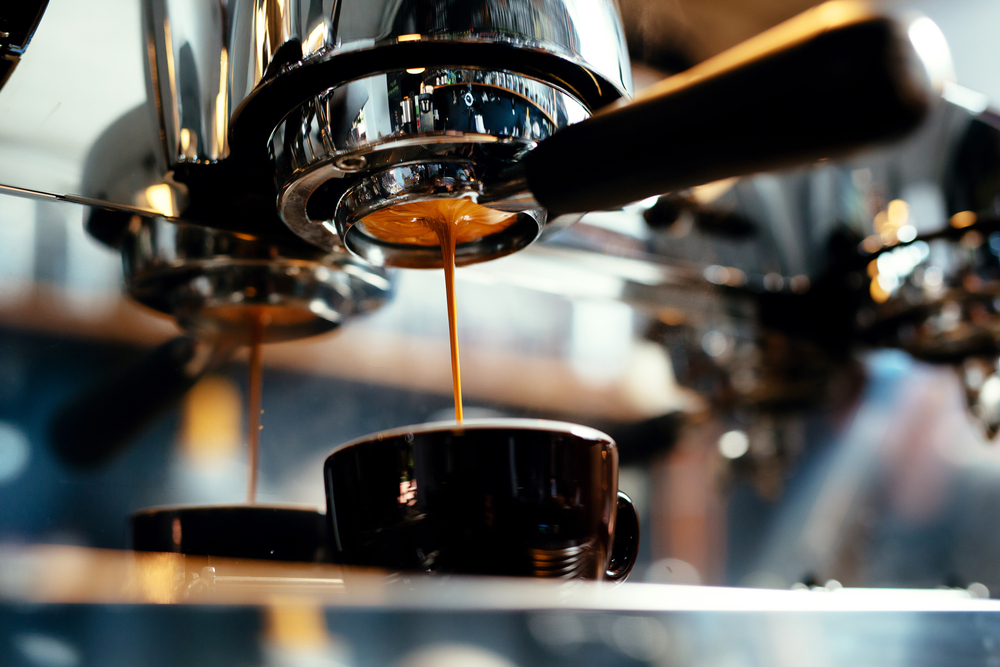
(408, 492)
(440, 105)
(424, 122)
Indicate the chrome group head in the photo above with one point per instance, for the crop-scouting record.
(354, 105)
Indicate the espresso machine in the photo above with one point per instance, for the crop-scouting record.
(236, 193)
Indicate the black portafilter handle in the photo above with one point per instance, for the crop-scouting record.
(94, 426)
(825, 82)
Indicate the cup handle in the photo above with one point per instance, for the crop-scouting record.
(625, 547)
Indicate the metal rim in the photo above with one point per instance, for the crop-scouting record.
(537, 425)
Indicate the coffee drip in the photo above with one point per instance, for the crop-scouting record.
(258, 321)
(253, 322)
(444, 222)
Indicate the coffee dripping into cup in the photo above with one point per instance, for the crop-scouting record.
(226, 291)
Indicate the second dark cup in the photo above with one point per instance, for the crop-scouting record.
(492, 497)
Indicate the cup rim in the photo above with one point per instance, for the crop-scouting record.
(211, 507)
(552, 426)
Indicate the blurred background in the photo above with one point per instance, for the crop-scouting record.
(722, 336)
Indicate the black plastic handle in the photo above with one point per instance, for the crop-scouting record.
(625, 548)
(824, 82)
(94, 426)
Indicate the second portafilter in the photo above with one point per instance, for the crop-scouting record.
(225, 291)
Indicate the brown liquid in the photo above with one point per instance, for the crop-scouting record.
(257, 324)
(444, 222)
(235, 315)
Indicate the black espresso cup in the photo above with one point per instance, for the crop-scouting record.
(492, 497)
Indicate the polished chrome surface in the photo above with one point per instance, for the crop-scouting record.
(473, 125)
(566, 563)
(270, 34)
(288, 613)
(215, 283)
(423, 107)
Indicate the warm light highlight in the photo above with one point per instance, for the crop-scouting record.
(160, 198)
(297, 626)
(211, 423)
(898, 212)
(222, 107)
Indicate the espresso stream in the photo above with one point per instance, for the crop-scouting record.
(444, 222)
(257, 324)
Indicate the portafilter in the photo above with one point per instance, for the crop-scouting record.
(517, 105)
(225, 290)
